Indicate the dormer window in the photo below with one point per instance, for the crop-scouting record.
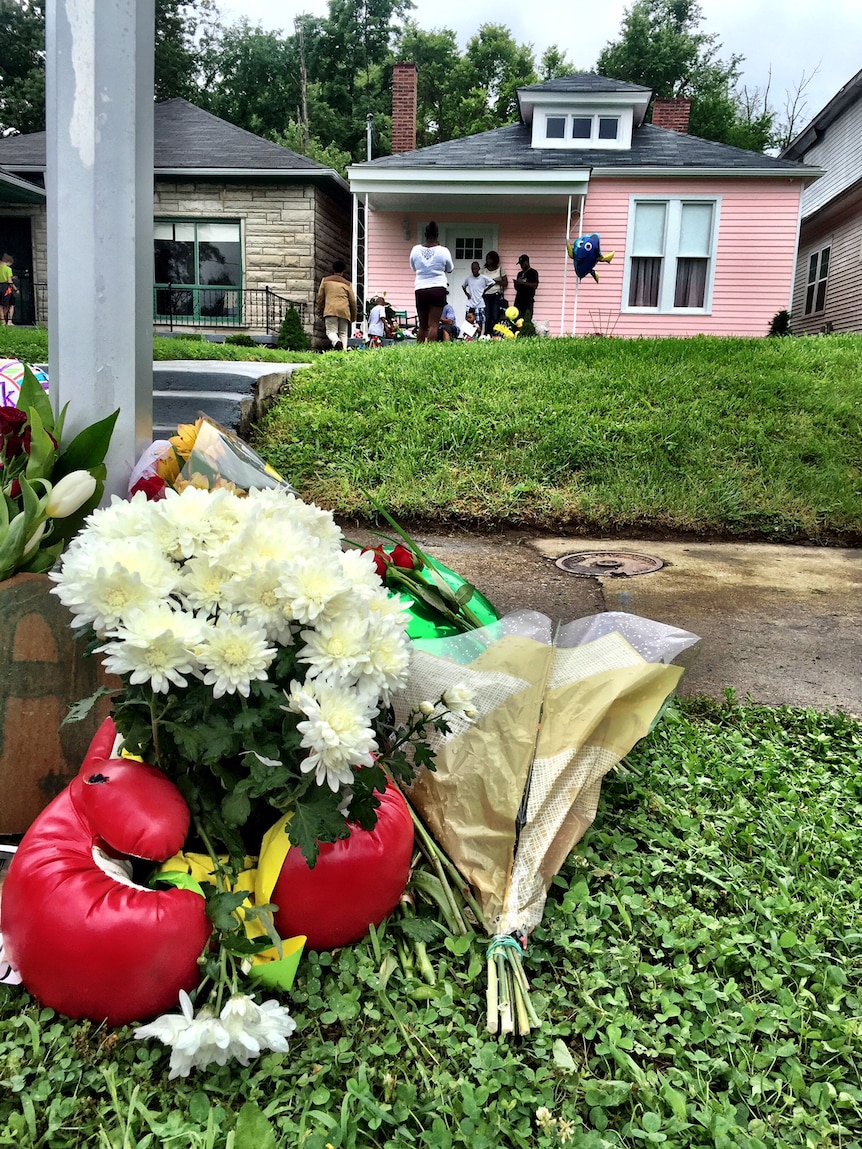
(581, 129)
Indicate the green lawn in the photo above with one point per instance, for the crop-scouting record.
(750, 438)
(698, 973)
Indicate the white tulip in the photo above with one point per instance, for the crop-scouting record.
(67, 496)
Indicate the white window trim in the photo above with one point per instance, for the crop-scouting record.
(668, 282)
(622, 142)
(818, 278)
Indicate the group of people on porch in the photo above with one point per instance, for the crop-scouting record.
(432, 264)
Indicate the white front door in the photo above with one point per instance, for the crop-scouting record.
(466, 241)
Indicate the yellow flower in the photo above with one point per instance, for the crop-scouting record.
(185, 438)
(168, 468)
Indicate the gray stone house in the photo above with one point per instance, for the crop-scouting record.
(242, 226)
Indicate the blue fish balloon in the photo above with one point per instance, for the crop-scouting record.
(586, 253)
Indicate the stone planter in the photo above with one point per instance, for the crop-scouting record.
(42, 672)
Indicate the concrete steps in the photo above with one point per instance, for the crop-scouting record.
(234, 394)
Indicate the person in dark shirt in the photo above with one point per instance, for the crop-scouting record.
(526, 282)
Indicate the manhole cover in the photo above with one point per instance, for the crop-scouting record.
(609, 564)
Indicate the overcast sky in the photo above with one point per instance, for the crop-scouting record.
(791, 37)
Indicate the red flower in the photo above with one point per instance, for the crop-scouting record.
(11, 420)
(381, 559)
(153, 486)
(403, 558)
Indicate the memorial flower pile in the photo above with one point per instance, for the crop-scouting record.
(256, 656)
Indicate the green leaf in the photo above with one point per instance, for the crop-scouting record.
(676, 1100)
(562, 1057)
(40, 464)
(89, 447)
(420, 929)
(253, 1129)
(33, 397)
(236, 808)
(78, 711)
(221, 906)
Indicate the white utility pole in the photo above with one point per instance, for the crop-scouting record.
(99, 180)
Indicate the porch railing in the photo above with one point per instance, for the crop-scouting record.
(256, 308)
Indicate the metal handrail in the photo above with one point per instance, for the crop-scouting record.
(174, 305)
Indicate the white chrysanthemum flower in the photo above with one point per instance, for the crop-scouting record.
(155, 645)
(386, 605)
(337, 649)
(264, 538)
(194, 520)
(361, 573)
(337, 730)
(242, 1031)
(254, 1028)
(458, 700)
(256, 594)
(207, 585)
(102, 582)
(234, 654)
(388, 662)
(317, 523)
(309, 586)
(121, 519)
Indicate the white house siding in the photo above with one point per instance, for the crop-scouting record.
(840, 153)
(843, 309)
(754, 264)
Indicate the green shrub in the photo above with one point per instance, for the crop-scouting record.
(291, 336)
(241, 340)
(780, 324)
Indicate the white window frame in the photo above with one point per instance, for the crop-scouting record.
(812, 284)
(667, 286)
(621, 142)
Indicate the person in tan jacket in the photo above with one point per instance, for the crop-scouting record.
(336, 302)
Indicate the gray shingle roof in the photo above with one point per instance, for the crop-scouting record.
(652, 147)
(584, 83)
(186, 138)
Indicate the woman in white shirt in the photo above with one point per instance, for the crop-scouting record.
(432, 264)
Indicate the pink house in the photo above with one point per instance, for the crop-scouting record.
(704, 234)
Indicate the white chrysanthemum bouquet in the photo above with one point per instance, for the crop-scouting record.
(256, 656)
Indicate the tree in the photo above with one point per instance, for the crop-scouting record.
(251, 79)
(347, 68)
(496, 66)
(661, 48)
(22, 66)
(554, 63)
(439, 66)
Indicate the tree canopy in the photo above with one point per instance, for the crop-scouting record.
(313, 88)
(661, 47)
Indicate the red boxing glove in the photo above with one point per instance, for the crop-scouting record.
(355, 882)
(86, 940)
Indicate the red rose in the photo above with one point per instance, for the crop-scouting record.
(153, 487)
(403, 558)
(381, 559)
(11, 420)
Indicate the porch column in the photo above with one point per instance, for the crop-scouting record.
(99, 181)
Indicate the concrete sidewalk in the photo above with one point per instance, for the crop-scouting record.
(780, 624)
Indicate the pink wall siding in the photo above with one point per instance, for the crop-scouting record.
(753, 274)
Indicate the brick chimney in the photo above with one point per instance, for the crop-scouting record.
(672, 113)
(403, 108)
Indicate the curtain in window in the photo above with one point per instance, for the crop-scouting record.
(645, 281)
(690, 288)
